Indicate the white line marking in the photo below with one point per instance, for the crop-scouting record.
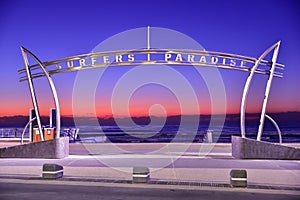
(239, 179)
(53, 172)
(140, 175)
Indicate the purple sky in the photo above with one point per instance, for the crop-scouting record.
(56, 29)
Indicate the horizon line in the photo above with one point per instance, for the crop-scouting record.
(139, 116)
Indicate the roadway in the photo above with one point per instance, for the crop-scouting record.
(61, 190)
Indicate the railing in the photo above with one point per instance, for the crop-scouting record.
(13, 134)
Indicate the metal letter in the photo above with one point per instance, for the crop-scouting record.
(203, 59)
(232, 62)
(167, 56)
(82, 62)
(70, 64)
(130, 57)
(106, 59)
(93, 60)
(191, 58)
(119, 58)
(178, 58)
(214, 60)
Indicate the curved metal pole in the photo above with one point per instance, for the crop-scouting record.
(267, 92)
(26, 128)
(55, 97)
(32, 92)
(148, 42)
(276, 126)
(247, 85)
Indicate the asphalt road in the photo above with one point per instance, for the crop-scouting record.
(27, 190)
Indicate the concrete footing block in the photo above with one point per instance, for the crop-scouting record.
(52, 171)
(245, 148)
(49, 149)
(238, 178)
(140, 175)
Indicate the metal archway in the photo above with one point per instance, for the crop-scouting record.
(178, 57)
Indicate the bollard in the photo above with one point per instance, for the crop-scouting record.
(52, 171)
(140, 175)
(209, 135)
(238, 178)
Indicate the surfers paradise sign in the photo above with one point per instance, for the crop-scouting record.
(153, 57)
(156, 56)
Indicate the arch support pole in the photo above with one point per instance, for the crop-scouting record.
(30, 121)
(53, 90)
(276, 126)
(32, 92)
(244, 98)
(249, 80)
(267, 92)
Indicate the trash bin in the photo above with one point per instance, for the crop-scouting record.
(36, 135)
(48, 133)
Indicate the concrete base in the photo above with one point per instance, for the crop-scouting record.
(52, 171)
(238, 178)
(140, 175)
(244, 148)
(49, 149)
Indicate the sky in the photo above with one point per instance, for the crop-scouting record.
(57, 29)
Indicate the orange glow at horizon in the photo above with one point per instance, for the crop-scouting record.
(140, 107)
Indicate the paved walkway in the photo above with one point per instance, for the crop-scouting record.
(176, 163)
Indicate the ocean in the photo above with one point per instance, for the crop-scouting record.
(172, 130)
(169, 133)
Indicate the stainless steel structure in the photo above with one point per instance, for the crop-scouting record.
(162, 56)
(276, 126)
(271, 73)
(28, 123)
(32, 91)
(61, 65)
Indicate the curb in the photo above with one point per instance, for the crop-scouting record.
(156, 182)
